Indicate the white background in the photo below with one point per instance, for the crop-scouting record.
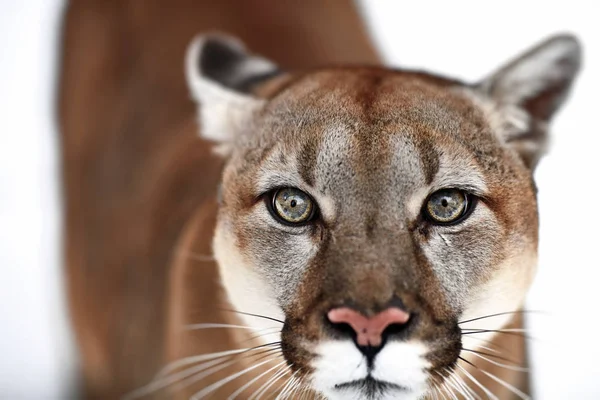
(464, 39)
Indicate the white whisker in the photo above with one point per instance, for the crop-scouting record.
(217, 326)
(211, 388)
(494, 330)
(171, 379)
(507, 385)
(510, 367)
(264, 387)
(489, 394)
(460, 386)
(449, 390)
(249, 383)
(439, 391)
(490, 349)
(297, 388)
(196, 359)
(453, 385)
(263, 332)
(461, 382)
(291, 380)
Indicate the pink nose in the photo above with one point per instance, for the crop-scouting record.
(368, 329)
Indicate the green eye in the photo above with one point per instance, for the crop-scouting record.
(447, 206)
(292, 206)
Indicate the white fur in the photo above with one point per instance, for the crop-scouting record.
(506, 120)
(403, 363)
(222, 113)
(504, 292)
(246, 291)
(339, 362)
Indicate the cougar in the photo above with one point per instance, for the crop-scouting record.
(385, 218)
(374, 231)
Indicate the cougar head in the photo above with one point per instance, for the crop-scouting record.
(375, 212)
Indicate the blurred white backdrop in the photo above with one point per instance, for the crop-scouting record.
(464, 39)
(36, 356)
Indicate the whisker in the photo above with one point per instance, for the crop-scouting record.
(265, 332)
(461, 382)
(498, 349)
(251, 382)
(507, 385)
(495, 330)
(490, 355)
(519, 334)
(291, 380)
(502, 313)
(204, 357)
(489, 394)
(297, 388)
(197, 377)
(211, 388)
(450, 392)
(444, 239)
(287, 390)
(194, 359)
(217, 326)
(480, 346)
(252, 315)
(451, 381)
(305, 392)
(264, 387)
(439, 391)
(469, 393)
(443, 384)
(215, 360)
(174, 378)
(510, 367)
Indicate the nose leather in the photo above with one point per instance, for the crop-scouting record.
(368, 329)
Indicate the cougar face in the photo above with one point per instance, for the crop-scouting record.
(376, 212)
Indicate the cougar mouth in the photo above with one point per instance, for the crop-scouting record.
(371, 387)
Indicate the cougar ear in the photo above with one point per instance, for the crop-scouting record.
(219, 74)
(527, 92)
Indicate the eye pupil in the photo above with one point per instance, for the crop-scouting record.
(293, 203)
(444, 203)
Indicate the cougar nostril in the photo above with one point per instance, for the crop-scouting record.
(368, 331)
(343, 329)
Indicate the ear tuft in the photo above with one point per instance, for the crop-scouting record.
(531, 89)
(220, 74)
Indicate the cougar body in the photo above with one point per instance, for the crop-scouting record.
(371, 294)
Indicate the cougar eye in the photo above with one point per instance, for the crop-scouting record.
(292, 206)
(447, 206)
